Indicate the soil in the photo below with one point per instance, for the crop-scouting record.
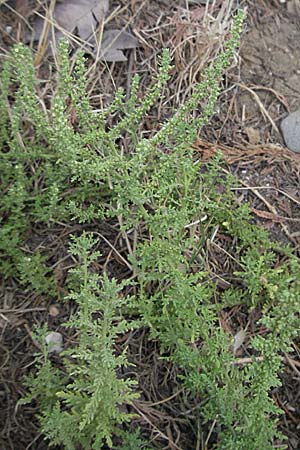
(270, 56)
(259, 91)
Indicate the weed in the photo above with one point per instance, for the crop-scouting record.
(70, 166)
(89, 396)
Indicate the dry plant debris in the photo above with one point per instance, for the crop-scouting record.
(86, 17)
(70, 14)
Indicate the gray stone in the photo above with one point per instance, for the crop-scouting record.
(54, 341)
(290, 127)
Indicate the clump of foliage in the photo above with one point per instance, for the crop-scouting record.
(55, 167)
(83, 404)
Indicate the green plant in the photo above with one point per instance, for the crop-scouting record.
(76, 169)
(34, 271)
(88, 394)
(132, 441)
(181, 308)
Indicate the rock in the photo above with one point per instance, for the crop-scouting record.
(239, 339)
(290, 127)
(53, 311)
(55, 342)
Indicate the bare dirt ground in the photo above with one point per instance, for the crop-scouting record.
(259, 90)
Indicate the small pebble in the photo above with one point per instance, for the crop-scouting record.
(55, 342)
(290, 127)
(239, 339)
(53, 311)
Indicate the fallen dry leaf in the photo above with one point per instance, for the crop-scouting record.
(71, 14)
(253, 135)
(113, 42)
(83, 16)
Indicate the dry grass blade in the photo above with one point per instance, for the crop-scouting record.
(274, 217)
(116, 252)
(286, 194)
(160, 433)
(279, 97)
(198, 36)
(43, 40)
(260, 105)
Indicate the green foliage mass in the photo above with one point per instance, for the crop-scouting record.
(84, 405)
(54, 168)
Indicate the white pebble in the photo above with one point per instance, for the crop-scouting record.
(55, 342)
